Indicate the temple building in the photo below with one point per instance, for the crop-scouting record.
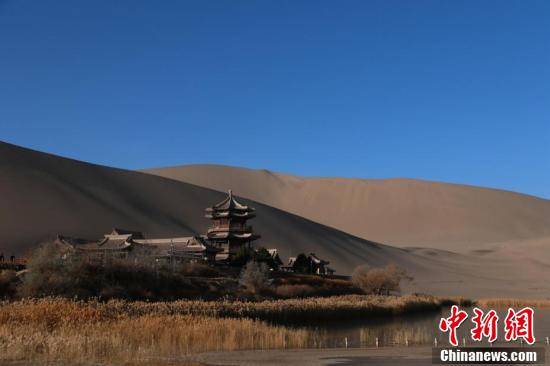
(227, 234)
(229, 230)
(311, 264)
(126, 244)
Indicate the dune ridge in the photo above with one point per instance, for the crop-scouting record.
(400, 212)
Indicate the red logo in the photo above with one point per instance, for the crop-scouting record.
(519, 325)
(485, 325)
(452, 323)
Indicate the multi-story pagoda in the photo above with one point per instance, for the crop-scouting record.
(229, 230)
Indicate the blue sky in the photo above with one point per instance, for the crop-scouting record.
(455, 91)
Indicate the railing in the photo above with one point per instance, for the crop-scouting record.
(240, 228)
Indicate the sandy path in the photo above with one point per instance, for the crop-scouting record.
(337, 356)
(389, 356)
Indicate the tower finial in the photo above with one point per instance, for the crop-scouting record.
(230, 194)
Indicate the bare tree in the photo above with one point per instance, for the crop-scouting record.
(379, 281)
(254, 276)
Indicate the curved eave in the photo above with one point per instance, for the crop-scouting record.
(226, 235)
(243, 210)
(230, 203)
(222, 215)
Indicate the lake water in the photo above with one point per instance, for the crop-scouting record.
(414, 329)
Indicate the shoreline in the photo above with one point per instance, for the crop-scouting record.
(389, 356)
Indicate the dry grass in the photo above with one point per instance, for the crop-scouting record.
(287, 285)
(118, 332)
(142, 338)
(457, 300)
(515, 303)
(276, 311)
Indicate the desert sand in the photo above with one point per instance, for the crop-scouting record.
(44, 195)
(399, 212)
(458, 224)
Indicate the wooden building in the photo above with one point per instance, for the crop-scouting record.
(320, 266)
(228, 233)
(125, 244)
(229, 230)
(310, 264)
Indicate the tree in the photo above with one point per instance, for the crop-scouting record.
(277, 260)
(302, 264)
(51, 271)
(254, 277)
(262, 255)
(379, 281)
(55, 270)
(243, 256)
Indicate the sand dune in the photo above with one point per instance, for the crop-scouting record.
(43, 195)
(400, 212)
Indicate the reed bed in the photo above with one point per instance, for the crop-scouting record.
(514, 303)
(55, 329)
(142, 338)
(60, 330)
(277, 311)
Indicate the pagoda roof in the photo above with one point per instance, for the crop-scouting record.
(227, 235)
(230, 204)
(211, 214)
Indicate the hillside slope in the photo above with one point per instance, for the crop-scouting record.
(43, 195)
(400, 212)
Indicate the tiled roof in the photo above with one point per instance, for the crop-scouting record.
(230, 204)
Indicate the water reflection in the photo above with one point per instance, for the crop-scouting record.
(411, 330)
